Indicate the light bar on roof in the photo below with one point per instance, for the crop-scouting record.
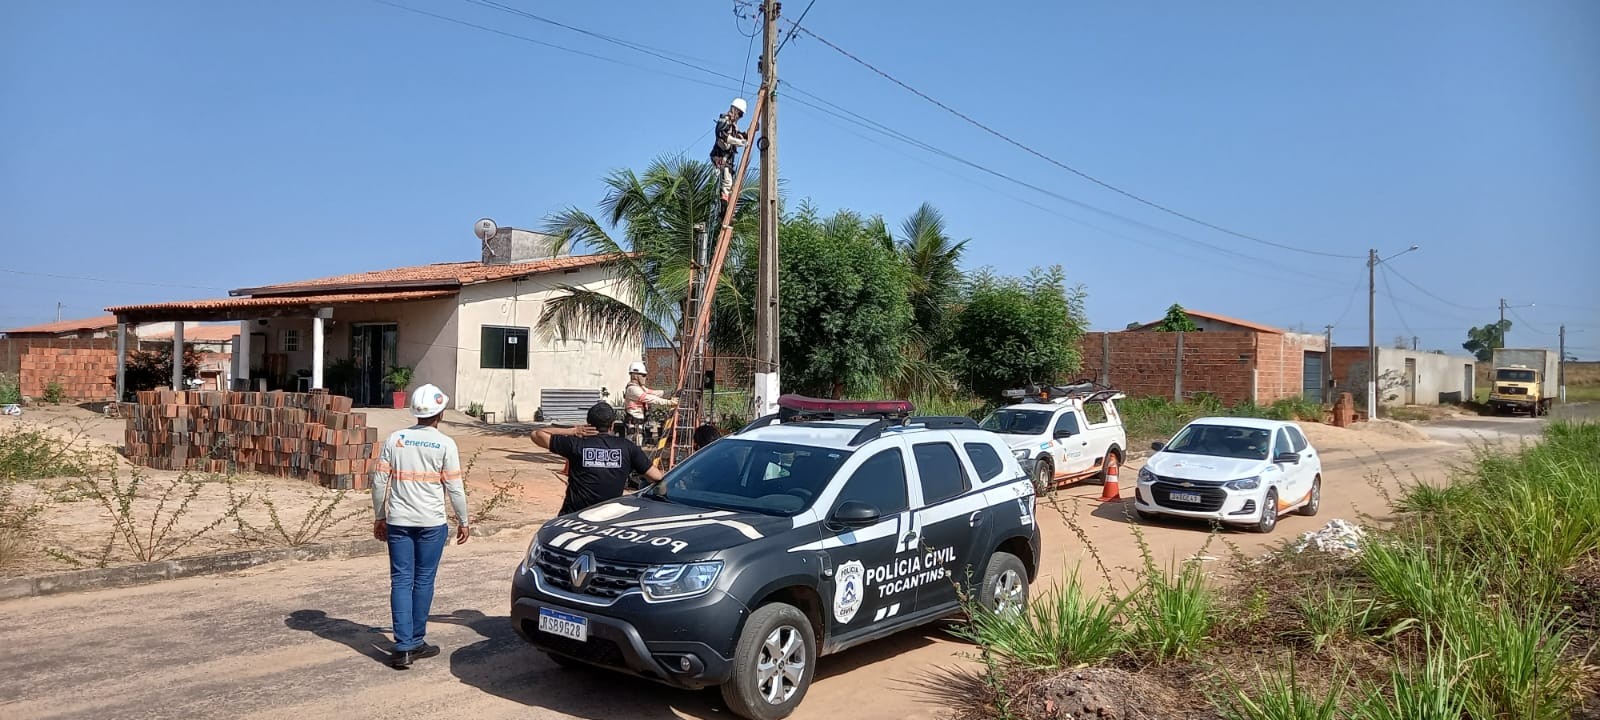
(841, 408)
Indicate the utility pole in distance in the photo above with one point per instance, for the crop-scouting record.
(766, 370)
(1372, 334)
(1561, 370)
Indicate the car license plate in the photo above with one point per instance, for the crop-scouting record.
(567, 625)
(1192, 498)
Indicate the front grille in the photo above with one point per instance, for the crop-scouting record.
(609, 580)
(1511, 390)
(1211, 496)
(599, 651)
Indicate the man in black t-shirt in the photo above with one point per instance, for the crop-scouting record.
(598, 462)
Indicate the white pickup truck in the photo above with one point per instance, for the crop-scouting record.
(1062, 434)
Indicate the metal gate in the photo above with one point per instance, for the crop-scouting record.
(1312, 387)
(567, 405)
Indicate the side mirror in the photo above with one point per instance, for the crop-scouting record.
(1288, 458)
(1157, 445)
(1063, 434)
(854, 514)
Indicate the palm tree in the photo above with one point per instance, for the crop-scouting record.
(933, 261)
(648, 226)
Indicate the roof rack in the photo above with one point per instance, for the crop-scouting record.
(889, 414)
(1086, 390)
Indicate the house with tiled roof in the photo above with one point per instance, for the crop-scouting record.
(468, 327)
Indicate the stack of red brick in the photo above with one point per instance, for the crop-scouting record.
(82, 373)
(311, 436)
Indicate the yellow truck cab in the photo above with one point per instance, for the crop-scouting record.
(1524, 381)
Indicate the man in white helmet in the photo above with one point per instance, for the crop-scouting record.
(638, 399)
(417, 468)
(726, 148)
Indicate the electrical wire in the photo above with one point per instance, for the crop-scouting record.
(1424, 291)
(792, 30)
(104, 280)
(1525, 322)
(1388, 292)
(1075, 171)
(859, 119)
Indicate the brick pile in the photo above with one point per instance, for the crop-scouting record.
(84, 373)
(309, 436)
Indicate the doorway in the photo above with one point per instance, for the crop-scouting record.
(373, 349)
(1411, 381)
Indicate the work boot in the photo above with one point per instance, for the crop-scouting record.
(402, 659)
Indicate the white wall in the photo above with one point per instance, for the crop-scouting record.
(1435, 374)
(577, 363)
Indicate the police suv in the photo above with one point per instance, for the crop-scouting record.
(828, 525)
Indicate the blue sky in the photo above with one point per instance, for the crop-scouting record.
(192, 145)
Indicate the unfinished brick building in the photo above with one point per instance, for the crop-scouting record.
(1235, 360)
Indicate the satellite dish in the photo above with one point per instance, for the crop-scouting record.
(485, 229)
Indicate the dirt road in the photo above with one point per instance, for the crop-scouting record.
(306, 640)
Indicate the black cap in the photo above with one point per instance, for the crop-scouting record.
(602, 416)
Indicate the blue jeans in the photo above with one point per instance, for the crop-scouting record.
(413, 562)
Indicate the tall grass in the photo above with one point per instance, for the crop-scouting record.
(1173, 612)
(1280, 696)
(1067, 626)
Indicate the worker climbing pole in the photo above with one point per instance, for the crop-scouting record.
(677, 437)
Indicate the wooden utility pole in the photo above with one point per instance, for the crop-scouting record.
(766, 369)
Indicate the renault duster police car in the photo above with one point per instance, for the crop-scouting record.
(826, 526)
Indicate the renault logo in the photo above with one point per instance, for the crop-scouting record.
(581, 570)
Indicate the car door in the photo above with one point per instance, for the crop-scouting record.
(862, 591)
(1310, 464)
(1071, 444)
(948, 520)
(1295, 483)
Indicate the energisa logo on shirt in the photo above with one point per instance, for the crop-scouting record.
(602, 458)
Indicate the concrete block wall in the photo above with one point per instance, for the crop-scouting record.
(84, 373)
(1146, 364)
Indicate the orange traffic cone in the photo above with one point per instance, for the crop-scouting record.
(1112, 491)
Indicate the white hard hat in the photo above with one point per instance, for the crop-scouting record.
(738, 104)
(428, 401)
(637, 367)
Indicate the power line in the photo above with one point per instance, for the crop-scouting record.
(104, 280)
(1058, 163)
(792, 30)
(1424, 291)
(660, 53)
(1388, 292)
(1524, 321)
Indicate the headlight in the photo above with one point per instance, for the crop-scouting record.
(533, 550)
(1145, 476)
(1249, 483)
(1021, 453)
(672, 582)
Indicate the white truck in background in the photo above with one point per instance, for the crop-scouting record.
(1524, 380)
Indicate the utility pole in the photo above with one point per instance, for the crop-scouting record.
(1561, 370)
(1327, 365)
(58, 312)
(1372, 334)
(766, 370)
(1413, 343)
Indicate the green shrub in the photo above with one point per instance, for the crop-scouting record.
(1064, 627)
(10, 389)
(30, 452)
(1173, 612)
(54, 392)
(1281, 697)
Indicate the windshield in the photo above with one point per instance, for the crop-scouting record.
(1522, 376)
(1018, 422)
(1222, 441)
(744, 475)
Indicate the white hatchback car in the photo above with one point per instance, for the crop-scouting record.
(1238, 471)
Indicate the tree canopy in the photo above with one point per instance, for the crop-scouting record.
(1482, 341)
(1012, 331)
(1177, 320)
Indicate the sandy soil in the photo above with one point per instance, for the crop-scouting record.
(503, 462)
(307, 639)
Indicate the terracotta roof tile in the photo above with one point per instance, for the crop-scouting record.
(1258, 327)
(437, 275)
(95, 323)
(248, 303)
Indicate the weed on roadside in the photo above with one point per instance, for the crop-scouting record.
(32, 452)
(1066, 626)
(489, 510)
(147, 533)
(19, 526)
(1280, 696)
(325, 511)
